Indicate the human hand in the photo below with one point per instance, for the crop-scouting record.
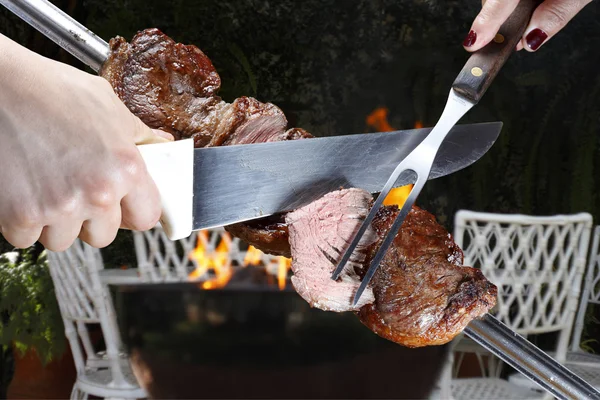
(69, 166)
(547, 20)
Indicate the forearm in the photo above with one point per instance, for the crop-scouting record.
(12, 57)
(18, 67)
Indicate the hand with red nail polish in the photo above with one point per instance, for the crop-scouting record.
(547, 20)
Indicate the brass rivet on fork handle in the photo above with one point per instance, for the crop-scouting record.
(498, 38)
(476, 71)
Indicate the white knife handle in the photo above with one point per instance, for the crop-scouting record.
(171, 166)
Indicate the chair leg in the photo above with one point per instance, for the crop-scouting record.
(77, 394)
(458, 359)
(481, 363)
(86, 342)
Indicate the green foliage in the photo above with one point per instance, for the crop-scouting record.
(591, 330)
(586, 345)
(28, 306)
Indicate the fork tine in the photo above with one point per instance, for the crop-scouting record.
(390, 236)
(367, 221)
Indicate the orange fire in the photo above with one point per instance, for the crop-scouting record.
(282, 271)
(377, 119)
(219, 262)
(253, 256)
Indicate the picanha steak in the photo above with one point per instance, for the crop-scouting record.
(421, 295)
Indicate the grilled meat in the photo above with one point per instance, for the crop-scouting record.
(421, 294)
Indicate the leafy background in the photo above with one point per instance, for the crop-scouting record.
(329, 63)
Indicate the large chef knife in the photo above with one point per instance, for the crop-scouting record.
(239, 183)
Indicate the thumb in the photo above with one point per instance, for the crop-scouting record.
(162, 136)
(145, 135)
(142, 134)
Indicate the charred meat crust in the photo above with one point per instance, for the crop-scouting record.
(423, 294)
(270, 234)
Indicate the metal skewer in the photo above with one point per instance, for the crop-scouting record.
(62, 30)
(490, 333)
(529, 360)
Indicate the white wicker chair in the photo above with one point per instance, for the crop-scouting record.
(579, 361)
(84, 300)
(537, 264)
(590, 295)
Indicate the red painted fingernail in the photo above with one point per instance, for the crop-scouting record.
(470, 39)
(535, 38)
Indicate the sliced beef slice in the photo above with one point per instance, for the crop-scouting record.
(423, 294)
(173, 87)
(318, 234)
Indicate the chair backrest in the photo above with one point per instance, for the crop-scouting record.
(73, 283)
(162, 260)
(591, 289)
(83, 300)
(536, 262)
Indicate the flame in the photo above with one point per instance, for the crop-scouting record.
(253, 256)
(217, 261)
(377, 119)
(284, 265)
(199, 256)
(397, 196)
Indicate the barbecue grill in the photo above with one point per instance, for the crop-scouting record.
(262, 343)
(174, 305)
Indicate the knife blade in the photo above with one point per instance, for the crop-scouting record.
(245, 182)
(216, 186)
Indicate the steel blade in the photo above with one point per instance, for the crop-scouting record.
(245, 182)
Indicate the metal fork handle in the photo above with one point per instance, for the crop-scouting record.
(62, 30)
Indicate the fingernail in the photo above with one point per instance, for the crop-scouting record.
(535, 38)
(470, 39)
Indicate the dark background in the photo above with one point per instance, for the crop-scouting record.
(329, 63)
